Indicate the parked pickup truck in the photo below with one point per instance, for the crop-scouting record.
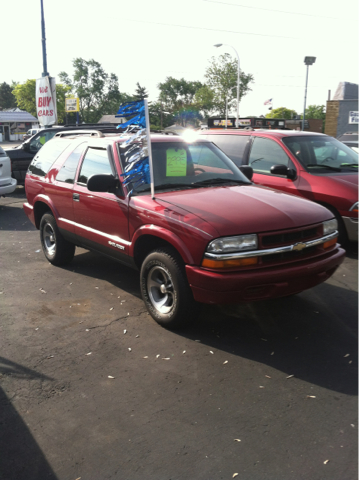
(209, 235)
(22, 155)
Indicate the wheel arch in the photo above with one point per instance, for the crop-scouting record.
(149, 238)
(42, 205)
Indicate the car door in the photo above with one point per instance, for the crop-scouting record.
(101, 218)
(264, 154)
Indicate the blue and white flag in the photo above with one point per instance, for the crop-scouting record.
(136, 150)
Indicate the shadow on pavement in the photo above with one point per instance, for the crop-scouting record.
(309, 333)
(20, 456)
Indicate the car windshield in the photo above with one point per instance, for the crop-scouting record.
(181, 165)
(322, 154)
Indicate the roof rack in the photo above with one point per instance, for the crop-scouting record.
(90, 133)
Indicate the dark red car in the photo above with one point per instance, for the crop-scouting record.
(310, 165)
(208, 236)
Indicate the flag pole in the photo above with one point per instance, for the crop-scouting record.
(149, 149)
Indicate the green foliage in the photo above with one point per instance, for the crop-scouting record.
(97, 90)
(159, 116)
(25, 95)
(178, 97)
(7, 99)
(282, 112)
(315, 111)
(140, 92)
(221, 77)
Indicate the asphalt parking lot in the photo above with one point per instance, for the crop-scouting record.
(92, 388)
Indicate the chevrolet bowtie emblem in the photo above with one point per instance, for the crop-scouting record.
(298, 246)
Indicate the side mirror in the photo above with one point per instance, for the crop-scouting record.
(284, 171)
(101, 183)
(247, 171)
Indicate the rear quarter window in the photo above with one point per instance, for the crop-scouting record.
(48, 154)
(234, 146)
(68, 170)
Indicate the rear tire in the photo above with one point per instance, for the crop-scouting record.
(165, 289)
(57, 250)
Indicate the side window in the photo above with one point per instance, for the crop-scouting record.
(96, 161)
(264, 154)
(68, 170)
(233, 146)
(40, 140)
(42, 163)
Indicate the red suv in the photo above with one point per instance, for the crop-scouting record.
(208, 236)
(310, 165)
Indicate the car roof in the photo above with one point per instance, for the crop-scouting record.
(269, 133)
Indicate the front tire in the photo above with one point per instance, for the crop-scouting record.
(57, 250)
(165, 289)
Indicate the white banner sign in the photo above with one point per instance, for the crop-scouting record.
(46, 100)
(353, 117)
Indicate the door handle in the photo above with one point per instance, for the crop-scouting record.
(76, 197)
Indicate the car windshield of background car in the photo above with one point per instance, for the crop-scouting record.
(191, 165)
(322, 155)
(38, 142)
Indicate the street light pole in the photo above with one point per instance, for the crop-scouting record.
(45, 73)
(308, 61)
(238, 74)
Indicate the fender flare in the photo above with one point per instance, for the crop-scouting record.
(47, 200)
(164, 234)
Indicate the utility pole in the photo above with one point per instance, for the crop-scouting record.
(45, 73)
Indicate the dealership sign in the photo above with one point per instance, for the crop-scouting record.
(353, 117)
(72, 105)
(46, 100)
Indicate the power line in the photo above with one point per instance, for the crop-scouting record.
(268, 9)
(203, 28)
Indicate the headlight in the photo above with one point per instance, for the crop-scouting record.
(233, 244)
(330, 226)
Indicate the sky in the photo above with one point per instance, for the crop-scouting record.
(146, 41)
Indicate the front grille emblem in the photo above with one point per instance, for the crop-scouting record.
(298, 246)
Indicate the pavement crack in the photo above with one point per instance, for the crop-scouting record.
(115, 320)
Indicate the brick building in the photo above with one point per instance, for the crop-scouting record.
(342, 111)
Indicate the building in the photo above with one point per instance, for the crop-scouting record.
(342, 112)
(14, 123)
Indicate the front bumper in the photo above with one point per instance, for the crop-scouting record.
(262, 283)
(351, 226)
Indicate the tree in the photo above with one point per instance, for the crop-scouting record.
(178, 97)
(282, 112)
(97, 90)
(25, 95)
(140, 92)
(204, 100)
(315, 111)
(221, 76)
(7, 99)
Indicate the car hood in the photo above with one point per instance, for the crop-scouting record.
(247, 208)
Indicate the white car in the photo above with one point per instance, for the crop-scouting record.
(7, 183)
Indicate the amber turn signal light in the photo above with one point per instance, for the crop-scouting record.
(330, 243)
(220, 264)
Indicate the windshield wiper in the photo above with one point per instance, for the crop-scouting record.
(219, 181)
(349, 165)
(335, 169)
